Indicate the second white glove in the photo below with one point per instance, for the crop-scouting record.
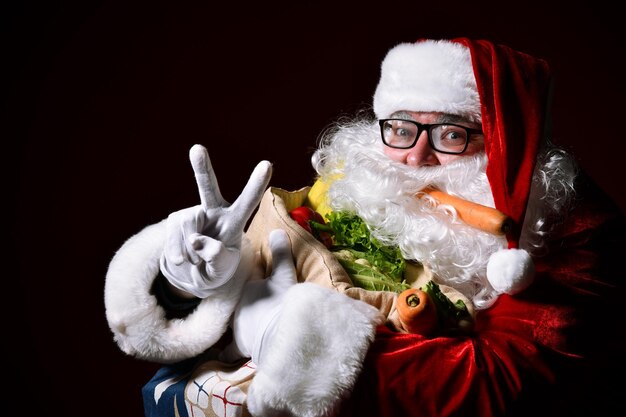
(254, 321)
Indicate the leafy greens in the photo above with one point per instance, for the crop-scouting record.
(370, 264)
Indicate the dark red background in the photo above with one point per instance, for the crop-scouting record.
(102, 101)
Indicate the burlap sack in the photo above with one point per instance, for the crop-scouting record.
(314, 262)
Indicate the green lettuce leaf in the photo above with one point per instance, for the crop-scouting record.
(370, 264)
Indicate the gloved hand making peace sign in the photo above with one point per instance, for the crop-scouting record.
(203, 243)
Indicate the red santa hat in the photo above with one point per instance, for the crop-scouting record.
(506, 90)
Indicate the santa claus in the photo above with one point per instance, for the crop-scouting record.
(466, 118)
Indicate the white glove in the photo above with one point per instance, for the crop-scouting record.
(254, 320)
(203, 243)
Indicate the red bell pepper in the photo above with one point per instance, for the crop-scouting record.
(314, 223)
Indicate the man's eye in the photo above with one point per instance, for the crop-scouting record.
(453, 134)
(402, 132)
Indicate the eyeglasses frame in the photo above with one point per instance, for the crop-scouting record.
(421, 127)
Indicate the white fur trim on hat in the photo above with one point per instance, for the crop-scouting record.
(428, 76)
(510, 270)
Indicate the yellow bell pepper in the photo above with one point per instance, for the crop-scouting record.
(317, 198)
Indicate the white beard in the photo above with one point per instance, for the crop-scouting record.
(382, 192)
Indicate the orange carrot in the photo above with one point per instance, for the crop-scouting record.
(417, 312)
(485, 218)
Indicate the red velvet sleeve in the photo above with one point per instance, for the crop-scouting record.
(550, 350)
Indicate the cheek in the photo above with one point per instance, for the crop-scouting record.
(394, 154)
(474, 147)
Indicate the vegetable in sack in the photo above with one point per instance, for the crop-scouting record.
(417, 312)
(314, 223)
(371, 264)
(426, 310)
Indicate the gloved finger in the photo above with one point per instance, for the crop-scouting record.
(208, 188)
(175, 246)
(206, 247)
(283, 267)
(191, 225)
(179, 225)
(252, 193)
(221, 261)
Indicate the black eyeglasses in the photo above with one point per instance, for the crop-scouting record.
(442, 137)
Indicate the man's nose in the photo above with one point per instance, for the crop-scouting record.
(422, 154)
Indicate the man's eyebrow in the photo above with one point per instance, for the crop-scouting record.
(452, 118)
(401, 115)
(444, 118)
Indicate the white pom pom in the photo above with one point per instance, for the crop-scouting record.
(510, 270)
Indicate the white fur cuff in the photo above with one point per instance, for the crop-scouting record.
(138, 323)
(316, 355)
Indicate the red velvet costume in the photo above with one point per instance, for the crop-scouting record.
(556, 348)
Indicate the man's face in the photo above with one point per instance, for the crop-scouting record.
(422, 154)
